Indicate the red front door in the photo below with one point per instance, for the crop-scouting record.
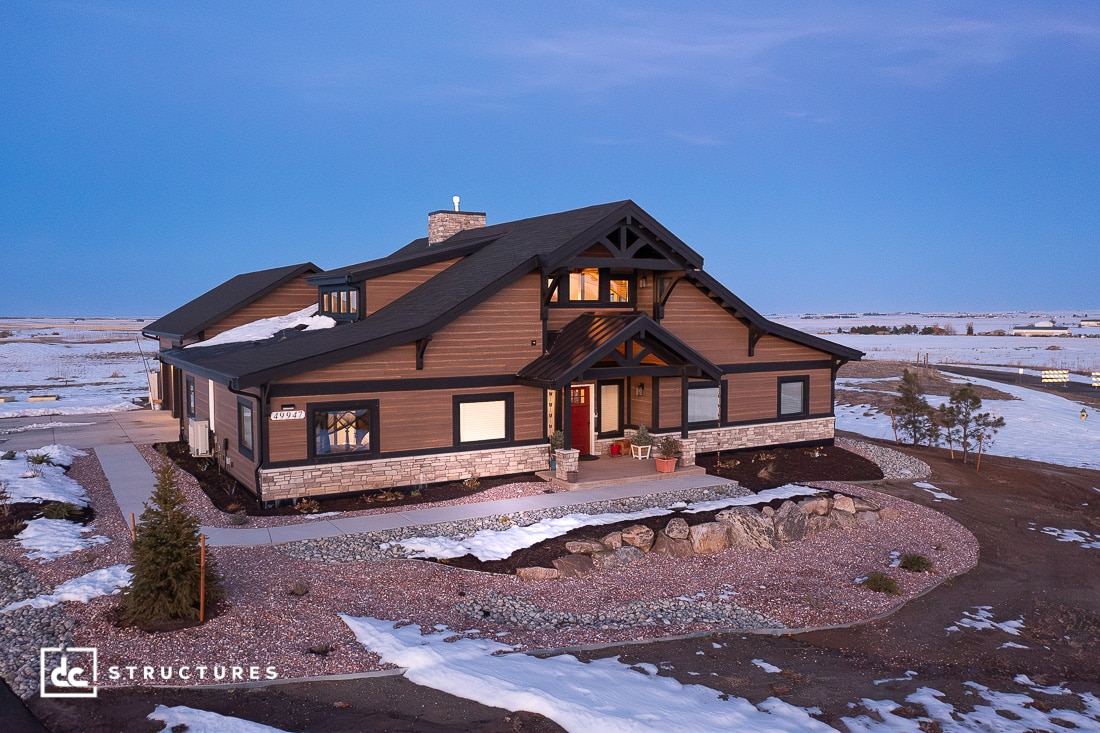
(581, 420)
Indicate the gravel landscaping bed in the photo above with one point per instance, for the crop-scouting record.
(894, 464)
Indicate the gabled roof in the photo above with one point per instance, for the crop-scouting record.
(492, 258)
(190, 319)
(588, 338)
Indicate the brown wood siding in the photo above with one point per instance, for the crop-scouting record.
(225, 433)
(756, 396)
(287, 298)
(202, 398)
(705, 326)
(773, 348)
(640, 410)
(494, 338)
(407, 420)
(381, 291)
(669, 411)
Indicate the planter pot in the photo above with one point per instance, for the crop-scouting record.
(665, 465)
(571, 476)
(641, 452)
(553, 464)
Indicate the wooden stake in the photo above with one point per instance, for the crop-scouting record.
(895, 427)
(202, 578)
(133, 528)
(978, 468)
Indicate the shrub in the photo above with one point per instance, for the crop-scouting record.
(164, 587)
(321, 649)
(238, 518)
(299, 588)
(641, 436)
(668, 446)
(39, 459)
(308, 506)
(881, 583)
(5, 499)
(472, 483)
(915, 563)
(60, 510)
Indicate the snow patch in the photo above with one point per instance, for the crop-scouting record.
(303, 320)
(982, 619)
(769, 668)
(568, 691)
(935, 491)
(1074, 535)
(181, 717)
(49, 539)
(43, 426)
(103, 582)
(33, 483)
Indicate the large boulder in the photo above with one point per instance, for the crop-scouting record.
(748, 528)
(817, 505)
(677, 529)
(537, 573)
(844, 503)
(864, 505)
(867, 517)
(584, 547)
(709, 537)
(816, 523)
(574, 566)
(639, 536)
(844, 520)
(790, 522)
(612, 541)
(617, 558)
(672, 547)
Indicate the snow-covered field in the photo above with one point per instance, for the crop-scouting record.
(92, 365)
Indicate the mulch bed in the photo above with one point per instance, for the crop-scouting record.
(228, 496)
(755, 469)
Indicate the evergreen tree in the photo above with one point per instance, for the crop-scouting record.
(964, 424)
(164, 587)
(915, 417)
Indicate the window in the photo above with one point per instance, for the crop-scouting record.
(704, 403)
(341, 430)
(340, 303)
(593, 286)
(610, 407)
(245, 439)
(793, 396)
(190, 400)
(483, 419)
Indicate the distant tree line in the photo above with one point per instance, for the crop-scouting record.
(934, 330)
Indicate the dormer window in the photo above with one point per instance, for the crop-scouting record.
(340, 302)
(590, 286)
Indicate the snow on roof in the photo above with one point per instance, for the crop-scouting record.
(303, 320)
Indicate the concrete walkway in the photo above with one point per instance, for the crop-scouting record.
(114, 435)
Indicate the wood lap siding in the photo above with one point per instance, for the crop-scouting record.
(408, 421)
(225, 428)
(288, 298)
(773, 348)
(381, 291)
(705, 326)
(493, 339)
(755, 396)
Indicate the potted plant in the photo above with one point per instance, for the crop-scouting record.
(667, 448)
(557, 442)
(640, 443)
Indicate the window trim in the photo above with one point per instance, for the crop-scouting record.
(312, 408)
(356, 315)
(190, 396)
(246, 451)
(805, 411)
(562, 297)
(720, 385)
(509, 399)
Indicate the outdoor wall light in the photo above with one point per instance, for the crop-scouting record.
(639, 391)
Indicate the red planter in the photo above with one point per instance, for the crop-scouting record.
(665, 465)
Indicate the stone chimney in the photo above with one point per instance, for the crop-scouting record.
(444, 224)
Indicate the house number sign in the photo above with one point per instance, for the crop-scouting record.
(289, 415)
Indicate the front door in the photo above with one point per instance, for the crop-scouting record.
(581, 398)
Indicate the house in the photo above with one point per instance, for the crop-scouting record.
(1041, 328)
(459, 354)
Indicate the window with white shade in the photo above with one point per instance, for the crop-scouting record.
(793, 396)
(483, 419)
(610, 406)
(704, 404)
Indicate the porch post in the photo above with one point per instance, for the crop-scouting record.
(567, 414)
(683, 406)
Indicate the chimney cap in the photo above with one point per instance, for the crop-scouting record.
(455, 199)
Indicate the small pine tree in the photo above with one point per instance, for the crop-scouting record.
(964, 424)
(914, 415)
(164, 588)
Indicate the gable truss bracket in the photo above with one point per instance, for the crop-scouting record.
(421, 347)
(755, 334)
(838, 362)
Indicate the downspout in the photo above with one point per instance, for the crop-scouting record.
(261, 434)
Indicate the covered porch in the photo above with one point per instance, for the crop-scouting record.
(610, 470)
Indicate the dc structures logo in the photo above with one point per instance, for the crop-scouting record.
(68, 672)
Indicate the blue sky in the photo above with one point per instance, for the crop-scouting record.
(820, 156)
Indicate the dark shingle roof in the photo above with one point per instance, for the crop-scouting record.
(492, 257)
(204, 311)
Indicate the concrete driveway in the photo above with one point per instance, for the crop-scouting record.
(107, 428)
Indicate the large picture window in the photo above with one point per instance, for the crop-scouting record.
(245, 428)
(794, 395)
(344, 429)
(704, 403)
(593, 286)
(483, 419)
